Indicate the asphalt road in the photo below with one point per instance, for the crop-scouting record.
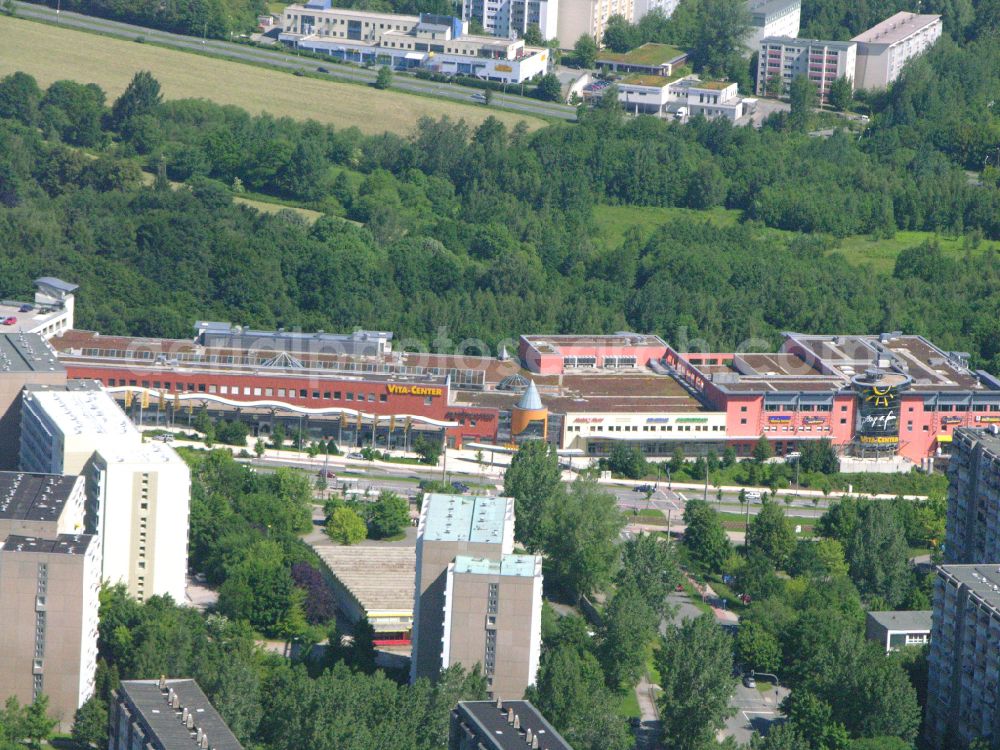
(283, 60)
(755, 711)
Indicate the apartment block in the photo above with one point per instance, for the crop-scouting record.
(48, 620)
(772, 18)
(501, 725)
(166, 715)
(451, 526)
(642, 8)
(972, 528)
(588, 18)
(886, 47)
(511, 19)
(40, 504)
(493, 616)
(787, 58)
(25, 359)
(964, 659)
(138, 493)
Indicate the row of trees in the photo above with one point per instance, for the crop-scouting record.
(490, 232)
(219, 19)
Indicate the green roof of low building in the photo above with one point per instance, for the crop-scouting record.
(648, 54)
(713, 85)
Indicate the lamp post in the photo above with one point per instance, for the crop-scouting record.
(796, 456)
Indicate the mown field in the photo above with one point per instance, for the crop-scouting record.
(861, 250)
(50, 53)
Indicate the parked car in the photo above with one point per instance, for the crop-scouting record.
(749, 681)
(355, 455)
(645, 488)
(460, 487)
(327, 475)
(9, 321)
(321, 69)
(26, 308)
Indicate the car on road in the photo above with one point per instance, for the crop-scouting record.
(749, 681)
(479, 97)
(327, 475)
(321, 69)
(460, 487)
(645, 488)
(9, 321)
(26, 308)
(355, 455)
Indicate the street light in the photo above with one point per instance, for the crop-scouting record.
(795, 455)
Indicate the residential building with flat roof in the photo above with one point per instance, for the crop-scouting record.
(493, 617)
(964, 659)
(972, 530)
(772, 18)
(895, 630)
(40, 504)
(885, 48)
(25, 359)
(48, 620)
(166, 715)
(513, 18)
(589, 17)
(501, 725)
(451, 526)
(138, 493)
(441, 44)
(782, 59)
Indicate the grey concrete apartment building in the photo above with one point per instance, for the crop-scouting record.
(475, 602)
(49, 594)
(964, 660)
(25, 358)
(501, 725)
(450, 526)
(166, 715)
(973, 522)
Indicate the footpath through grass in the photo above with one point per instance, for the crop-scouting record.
(51, 53)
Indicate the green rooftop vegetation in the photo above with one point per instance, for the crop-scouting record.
(647, 54)
(646, 79)
(714, 85)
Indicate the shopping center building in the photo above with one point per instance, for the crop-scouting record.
(890, 396)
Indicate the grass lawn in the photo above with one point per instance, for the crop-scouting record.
(630, 705)
(50, 53)
(859, 250)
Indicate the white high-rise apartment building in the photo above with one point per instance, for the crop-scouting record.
(512, 18)
(885, 47)
(138, 494)
(644, 7)
(772, 18)
(820, 61)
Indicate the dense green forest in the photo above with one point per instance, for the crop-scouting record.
(490, 233)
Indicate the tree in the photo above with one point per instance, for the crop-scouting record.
(488, 97)
(533, 36)
(586, 51)
(361, 655)
(719, 31)
(570, 692)
(549, 88)
(619, 34)
(650, 564)
(74, 112)
(762, 450)
(757, 577)
(429, 450)
(819, 455)
(771, 534)
(320, 604)
(877, 555)
(346, 527)
(627, 460)
(728, 456)
(35, 723)
(841, 93)
(628, 624)
(19, 98)
(704, 536)
(390, 515)
(581, 530)
(139, 98)
(695, 662)
(278, 435)
(757, 648)
(803, 96)
(259, 448)
(90, 724)
(383, 78)
(532, 479)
